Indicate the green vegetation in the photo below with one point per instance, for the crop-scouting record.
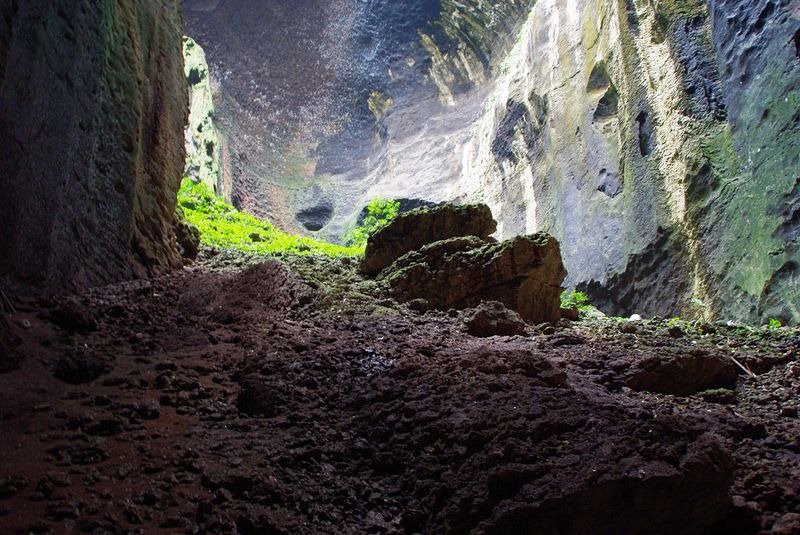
(380, 212)
(683, 8)
(676, 322)
(575, 299)
(774, 324)
(224, 227)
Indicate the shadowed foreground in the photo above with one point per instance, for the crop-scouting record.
(233, 397)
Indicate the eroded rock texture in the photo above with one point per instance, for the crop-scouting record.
(412, 230)
(524, 273)
(657, 141)
(442, 258)
(92, 108)
(202, 142)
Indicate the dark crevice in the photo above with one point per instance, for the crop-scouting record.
(608, 107)
(796, 40)
(599, 80)
(195, 76)
(315, 217)
(645, 134)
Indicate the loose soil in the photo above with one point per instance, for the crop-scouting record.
(239, 395)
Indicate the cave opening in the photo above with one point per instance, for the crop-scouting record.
(398, 266)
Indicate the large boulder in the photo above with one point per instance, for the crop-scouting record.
(492, 318)
(412, 230)
(525, 274)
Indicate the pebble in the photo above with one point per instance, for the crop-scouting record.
(675, 332)
(628, 328)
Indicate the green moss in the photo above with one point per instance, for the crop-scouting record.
(380, 212)
(718, 148)
(683, 8)
(223, 226)
(575, 299)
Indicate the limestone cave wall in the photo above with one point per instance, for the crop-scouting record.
(93, 103)
(659, 142)
(656, 139)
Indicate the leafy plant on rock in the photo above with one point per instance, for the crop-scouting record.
(380, 212)
(575, 299)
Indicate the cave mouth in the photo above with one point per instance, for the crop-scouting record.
(197, 369)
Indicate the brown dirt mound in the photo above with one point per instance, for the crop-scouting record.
(230, 406)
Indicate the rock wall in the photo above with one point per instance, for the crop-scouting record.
(92, 111)
(202, 141)
(319, 99)
(657, 140)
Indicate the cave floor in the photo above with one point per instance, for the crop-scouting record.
(233, 396)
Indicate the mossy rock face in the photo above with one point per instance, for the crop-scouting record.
(524, 274)
(415, 229)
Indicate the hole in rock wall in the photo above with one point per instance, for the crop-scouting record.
(599, 80)
(195, 76)
(315, 217)
(796, 41)
(608, 107)
(645, 134)
(763, 18)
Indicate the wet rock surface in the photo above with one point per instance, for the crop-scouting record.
(242, 397)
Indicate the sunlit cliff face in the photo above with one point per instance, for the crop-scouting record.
(658, 140)
(320, 100)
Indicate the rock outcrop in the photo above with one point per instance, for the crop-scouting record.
(202, 141)
(492, 318)
(412, 230)
(443, 272)
(93, 104)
